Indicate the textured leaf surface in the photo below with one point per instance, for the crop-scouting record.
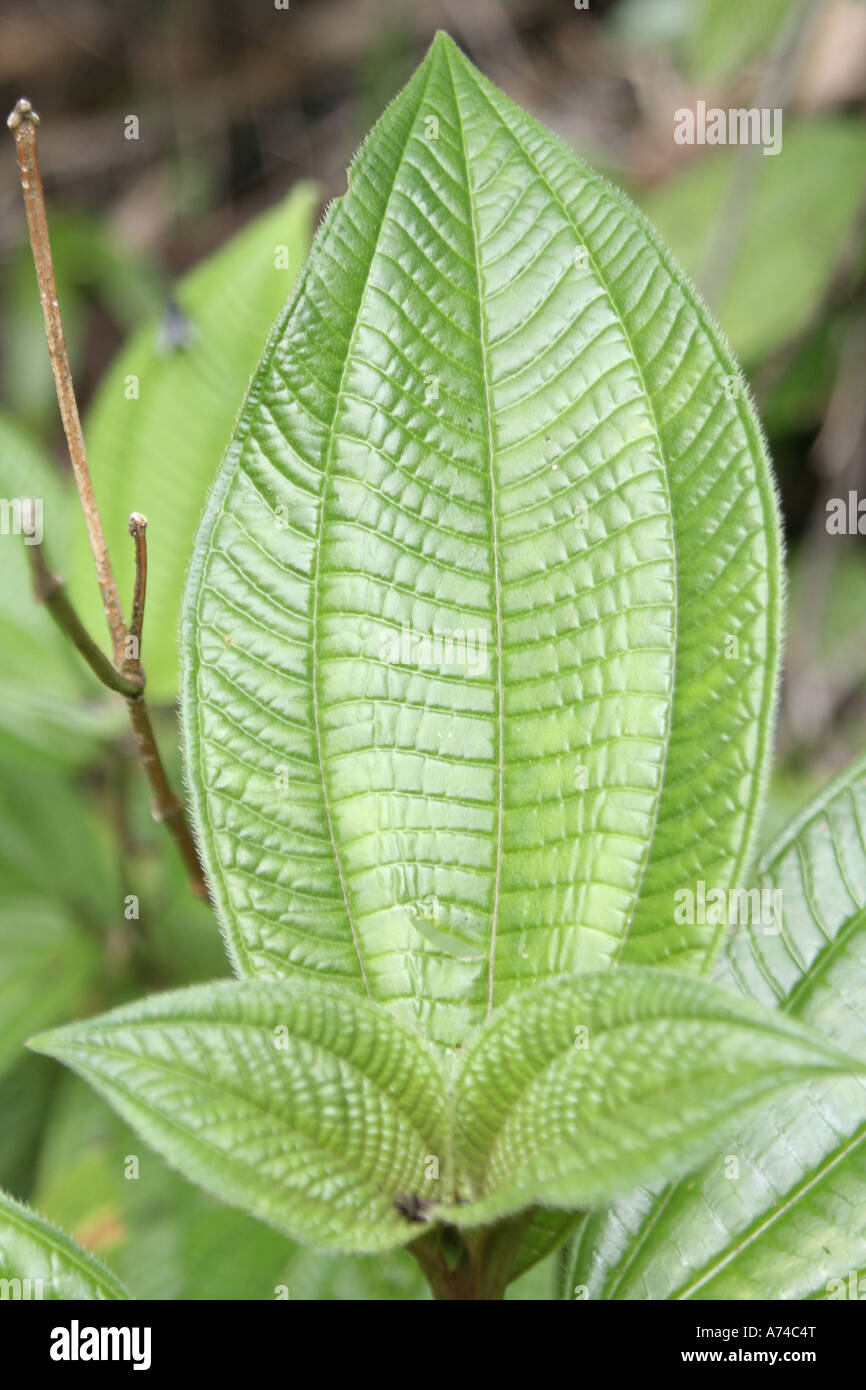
(492, 408)
(157, 452)
(666, 1066)
(30, 1249)
(792, 1224)
(312, 1110)
(168, 1240)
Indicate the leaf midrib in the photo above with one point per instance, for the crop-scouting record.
(663, 470)
(317, 545)
(494, 546)
(757, 1228)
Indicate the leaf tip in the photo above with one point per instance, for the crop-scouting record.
(47, 1043)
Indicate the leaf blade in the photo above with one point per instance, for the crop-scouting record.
(430, 477)
(317, 1134)
(547, 1113)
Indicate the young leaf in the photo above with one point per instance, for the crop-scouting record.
(164, 413)
(481, 628)
(586, 1087)
(782, 1214)
(314, 1111)
(42, 1263)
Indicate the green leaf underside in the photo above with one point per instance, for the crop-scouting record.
(450, 396)
(317, 1111)
(155, 452)
(316, 1129)
(666, 1069)
(794, 1220)
(31, 1250)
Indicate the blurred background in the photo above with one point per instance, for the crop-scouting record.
(187, 149)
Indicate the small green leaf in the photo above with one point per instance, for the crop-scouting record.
(42, 1263)
(495, 416)
(590, 1086)
(781, 1214)
(164, 411)
(311, 1110)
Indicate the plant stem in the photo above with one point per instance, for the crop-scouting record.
(137, 529)
(126, 675)
(23, 121)
(166, 805)
(471, 1265)
(50, 590)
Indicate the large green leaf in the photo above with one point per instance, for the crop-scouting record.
(156, 451)
(781, 1215)
(312, 1110)
(493, 407)
(41, 1262)
(584, 1087)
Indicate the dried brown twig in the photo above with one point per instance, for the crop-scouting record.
(125, 675)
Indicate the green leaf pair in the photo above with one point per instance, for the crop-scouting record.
(321, 1114)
